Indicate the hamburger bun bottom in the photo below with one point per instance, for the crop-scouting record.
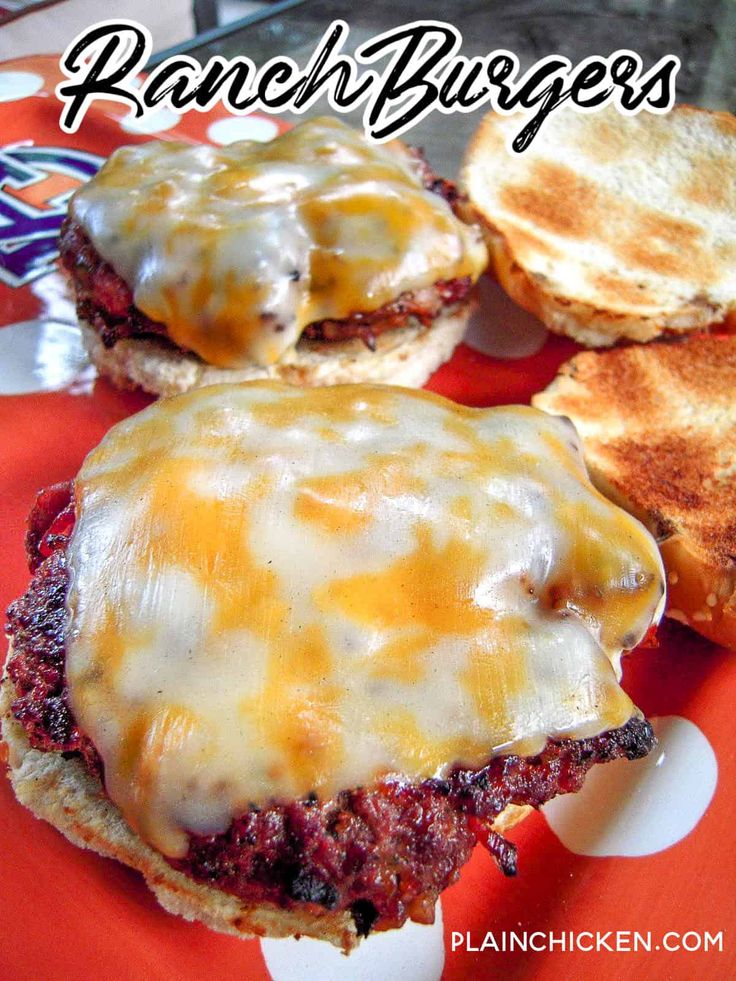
(64, 793)
(404, 356)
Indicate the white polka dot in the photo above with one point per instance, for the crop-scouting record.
(225, 131)
(500, 328)
(640, 807)
(53, 292)
(19, 85)
(413, 953)
(156, 122)
(40, 356)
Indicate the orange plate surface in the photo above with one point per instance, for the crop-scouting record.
(66, 913)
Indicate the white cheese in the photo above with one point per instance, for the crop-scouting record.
(237, 249)
(276, 591)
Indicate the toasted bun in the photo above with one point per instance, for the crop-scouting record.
(405, 356)
(64, 793)
(611, 226)
(658, 425)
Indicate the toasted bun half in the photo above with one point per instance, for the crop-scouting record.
(405, 356)
(64, 793)
(658, 425)
(608, 226)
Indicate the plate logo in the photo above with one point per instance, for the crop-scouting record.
(35, 186)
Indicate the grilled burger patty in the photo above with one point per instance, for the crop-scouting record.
(105, 301)
(385, 852)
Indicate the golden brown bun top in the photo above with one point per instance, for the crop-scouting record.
(626, 215)
(659, 424)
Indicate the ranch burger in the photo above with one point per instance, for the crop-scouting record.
(292, 653)
(316, 258)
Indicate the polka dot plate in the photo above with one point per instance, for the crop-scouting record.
(633, 877)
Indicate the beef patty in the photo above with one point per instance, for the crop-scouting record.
(384, 851)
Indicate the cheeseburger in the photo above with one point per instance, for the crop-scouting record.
(292, 653)
(313, 259)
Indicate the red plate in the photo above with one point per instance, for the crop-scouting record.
(650, 867)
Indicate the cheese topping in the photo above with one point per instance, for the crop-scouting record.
(278, 591)
(237, 249)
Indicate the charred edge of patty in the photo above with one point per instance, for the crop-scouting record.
(421, 306)
(385, 852)
(105, 301)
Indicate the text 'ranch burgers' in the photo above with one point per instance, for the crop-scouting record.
(315, 259)
(292, 652)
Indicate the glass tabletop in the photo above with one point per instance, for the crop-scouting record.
(701, 34)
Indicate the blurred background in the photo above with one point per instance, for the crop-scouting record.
(702, 34)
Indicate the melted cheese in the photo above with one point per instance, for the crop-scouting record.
(277, 591)
(237, 249)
